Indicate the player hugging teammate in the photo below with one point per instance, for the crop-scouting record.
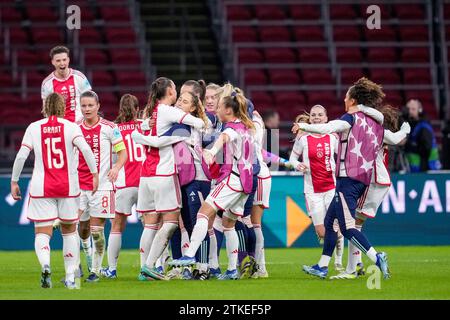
(196, 170)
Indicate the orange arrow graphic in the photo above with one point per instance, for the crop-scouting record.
(297, 221)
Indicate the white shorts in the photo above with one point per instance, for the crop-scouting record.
(49, 209)
(317, 205)
(262, 194)
(228, 196)
(99, 205)
(125, 199)
(159, 195)
(371, 200)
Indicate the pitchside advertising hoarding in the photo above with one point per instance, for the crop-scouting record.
(416, 212)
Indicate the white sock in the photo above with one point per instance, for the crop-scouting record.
(259, 247)
(372, 254)
(42, 249)
(198, 234)
(213, 259)
(160, 242)
(86, 245)
(354, 255)
(98, 237)
(232, 243)
(359, 256)
(114, 245)
(71, 254)
(184, 241)
(324, 261)
(148, 234)
(161, 261)
(339, 250)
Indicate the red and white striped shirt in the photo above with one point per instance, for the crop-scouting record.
(101, 137)
(317, 152)
(70, 88)
(55, 163)
(130, 173)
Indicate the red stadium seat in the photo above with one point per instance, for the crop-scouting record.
(33, 103)
(269, 12)
(346, 33)
(385, 76)
(305, 12)
(394, 98)
(262, 100)
(125, 56)
(6, 80)
(279, 55)
(351, 75)
(47, 36)
(18, 36)
(274, 34)
(108, 100)
(89, 35)
(308, 33)
(348, 55)
(41, 14)
(290, 99)
(410, 11)
(384, 34)
(102, 79)
(417, 76)
(129, 79)
(250, 55)
(244, 34)
(10, 15)
(34, 79)
(95, 56)
(27, 57)
(324, 98)
(378, 55)
(318, 55)
(342, 12)
(447, 10)
(413, 33)
(120, 35)
(255, 77)
(115, 13)
(421, 54)
(238, 12)
(284, 76)
(317, 76)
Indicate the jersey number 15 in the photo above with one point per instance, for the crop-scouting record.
(55, 156)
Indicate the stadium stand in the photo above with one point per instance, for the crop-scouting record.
(318, 48)
(109, 49)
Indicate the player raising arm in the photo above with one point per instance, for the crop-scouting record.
(234, 183)
(54, 190)
(68, 82)
(159, 196)
(360, 139)
(319, 168)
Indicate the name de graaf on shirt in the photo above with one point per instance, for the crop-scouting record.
(52, 129)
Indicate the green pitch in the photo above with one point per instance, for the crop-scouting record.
(417, 273)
